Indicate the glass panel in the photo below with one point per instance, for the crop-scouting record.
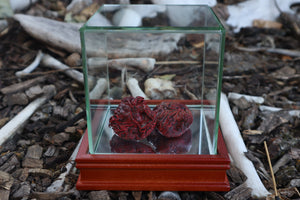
(171, 55)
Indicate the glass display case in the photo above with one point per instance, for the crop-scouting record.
(153, 77)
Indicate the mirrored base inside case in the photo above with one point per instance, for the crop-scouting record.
(198, 139)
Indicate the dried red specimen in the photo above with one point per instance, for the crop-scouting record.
(173, 119)
(133, 119)
(176, 145)
(119, 145)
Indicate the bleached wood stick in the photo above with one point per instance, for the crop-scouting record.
(55, 33)
(145, 64)
(20, 119)
(249, 98)
(135, 90)
(99, 88)
(237, 148)
(49, 61)
(32, 66)
(57, 185)
(292, 53)
(294, 113)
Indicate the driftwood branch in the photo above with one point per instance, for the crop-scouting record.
(145, 64)
(237, 148)
(20, 119)
(99, 88)
(32, 66)
(52, 32)
(135, 90)
(292, 53)
(49, 61)
(249, 98)
(57, 185)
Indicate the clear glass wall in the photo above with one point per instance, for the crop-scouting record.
(172, 53)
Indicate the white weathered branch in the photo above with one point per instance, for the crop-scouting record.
(49, 61)
(294, 113)
(145, 64)
(99, 88)
(57, 185)
(134, 88)
(237, 148)
(249, 98)
(9, 129)
(32, 66)
(52, 32)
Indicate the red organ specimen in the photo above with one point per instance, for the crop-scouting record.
(133, 119)
(173, 119)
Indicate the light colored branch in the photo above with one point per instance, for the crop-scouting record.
(99, 88)
(145, 64)
(57, 185)
(135, 90)
(51, 62)
(20, 119)
(288, 52)
(249, 98)
(32, 66)
(237, 148)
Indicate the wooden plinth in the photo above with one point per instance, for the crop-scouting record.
(155, 172)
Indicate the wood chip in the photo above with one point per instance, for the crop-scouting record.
(10, 164)
(19, 98)
(34, 151)
(22, 85)
(23, 191)
(60, 138)
(40, 172)
(49, 195)
(32, 163)
(102, 194)
(6, 180)
(240, 192)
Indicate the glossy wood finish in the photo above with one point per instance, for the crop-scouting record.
(157, 172)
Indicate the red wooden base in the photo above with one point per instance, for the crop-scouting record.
(156, 172)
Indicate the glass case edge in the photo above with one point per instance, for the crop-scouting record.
(86, 89)
(219, 87)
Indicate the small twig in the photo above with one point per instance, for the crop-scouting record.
(271, 169)
(32, 66)
(190, 94)
(177, 62)
(58, 183)
(287, 52)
